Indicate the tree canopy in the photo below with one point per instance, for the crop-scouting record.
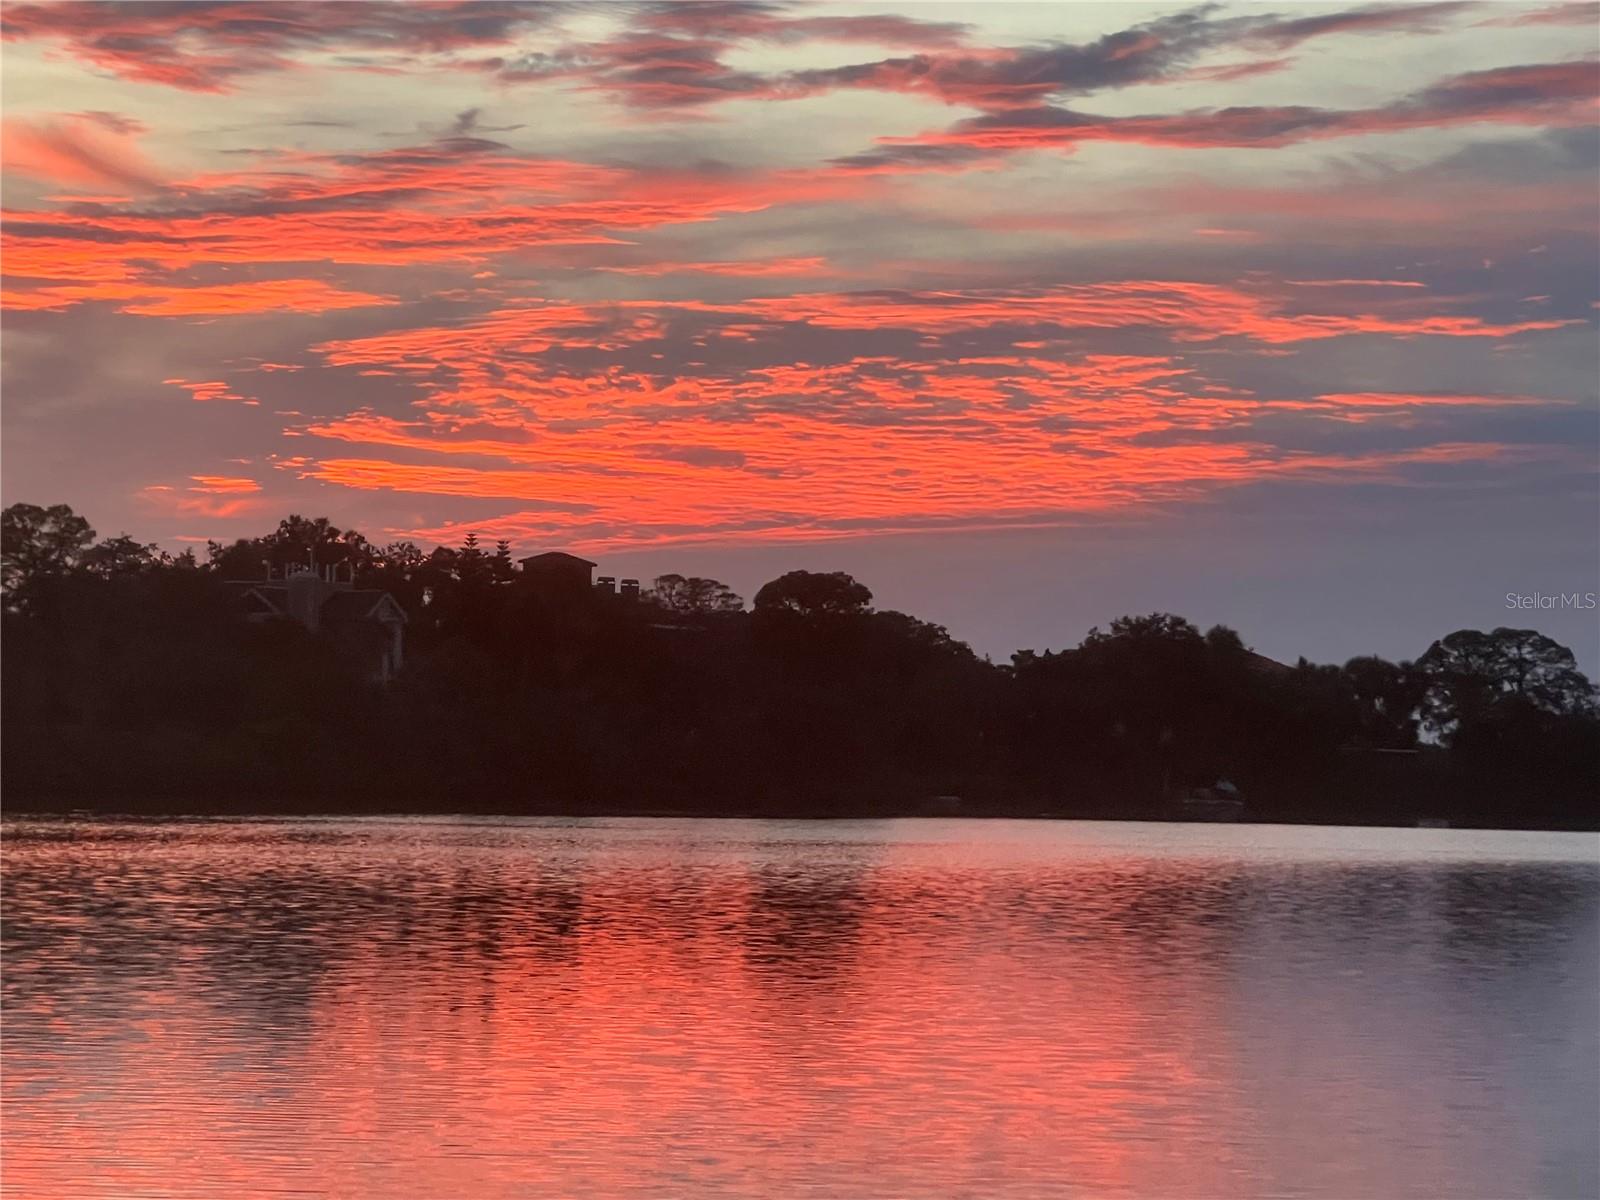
(130, 676)
(814, 594)
(694, 596)
(1468, 674)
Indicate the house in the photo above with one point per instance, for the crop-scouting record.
(558, 570)
(365, 624)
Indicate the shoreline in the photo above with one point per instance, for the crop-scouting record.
(40, 811)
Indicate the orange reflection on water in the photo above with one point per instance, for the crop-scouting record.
(746, 1009)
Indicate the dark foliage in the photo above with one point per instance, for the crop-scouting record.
(132, 681)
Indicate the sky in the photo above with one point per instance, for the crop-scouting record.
(1281, 316)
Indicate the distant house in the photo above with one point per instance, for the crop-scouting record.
(366, 624)
(557, 569)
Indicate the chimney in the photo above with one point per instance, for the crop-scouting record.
(630, 589)
(606, 584)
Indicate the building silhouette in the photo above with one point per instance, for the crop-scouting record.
(366, 625)
(556, 571)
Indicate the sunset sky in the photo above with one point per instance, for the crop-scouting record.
(1027, 315)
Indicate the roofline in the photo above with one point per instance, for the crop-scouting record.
(262, 596)
(383, 597)
(558, 554)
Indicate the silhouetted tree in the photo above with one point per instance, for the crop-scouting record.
(37, 544)
(472, 564)
(694, 596)
(1156, 629)
(1388, 697)
(501, 566)
(135, 675)
(297, 542)
(121, 555)
(1468, 673)
(812, 594)
(439, 573)
(393, 567)
(1224, 643)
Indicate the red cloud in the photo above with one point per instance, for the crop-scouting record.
(819, 414)
(1193, 311)
(457, 200)
(224, 485)
(79, 148)
(202, 498)
(210, 389)
(215, 300)
(1026, 434)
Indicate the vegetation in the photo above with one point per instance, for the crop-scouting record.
(132, 682)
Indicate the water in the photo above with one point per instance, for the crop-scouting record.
(852, 1010)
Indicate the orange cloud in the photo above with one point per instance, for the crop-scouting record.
(224, 485)
(1024, 435)
(80, 148)
(200, 501)
(1193, 311)
(456, 201)
(210, 389)
(686, 382)
(213, 300)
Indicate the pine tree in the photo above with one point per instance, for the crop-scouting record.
(472, 565)
(500, 564)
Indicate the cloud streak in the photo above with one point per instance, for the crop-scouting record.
(212, 45)
(93, 149)
(1543, 95)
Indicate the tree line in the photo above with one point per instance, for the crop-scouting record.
(130, 681)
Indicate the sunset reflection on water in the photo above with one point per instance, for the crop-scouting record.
(740, 1008)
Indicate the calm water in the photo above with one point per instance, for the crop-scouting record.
(853, 1010)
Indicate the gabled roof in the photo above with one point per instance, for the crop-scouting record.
(243, 587)
(265, 599)
(344, 605)
(555, 558)
(364, 605)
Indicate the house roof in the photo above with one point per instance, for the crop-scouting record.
(555, 558)
(345, 604)
(359, 605)
(270, 599)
